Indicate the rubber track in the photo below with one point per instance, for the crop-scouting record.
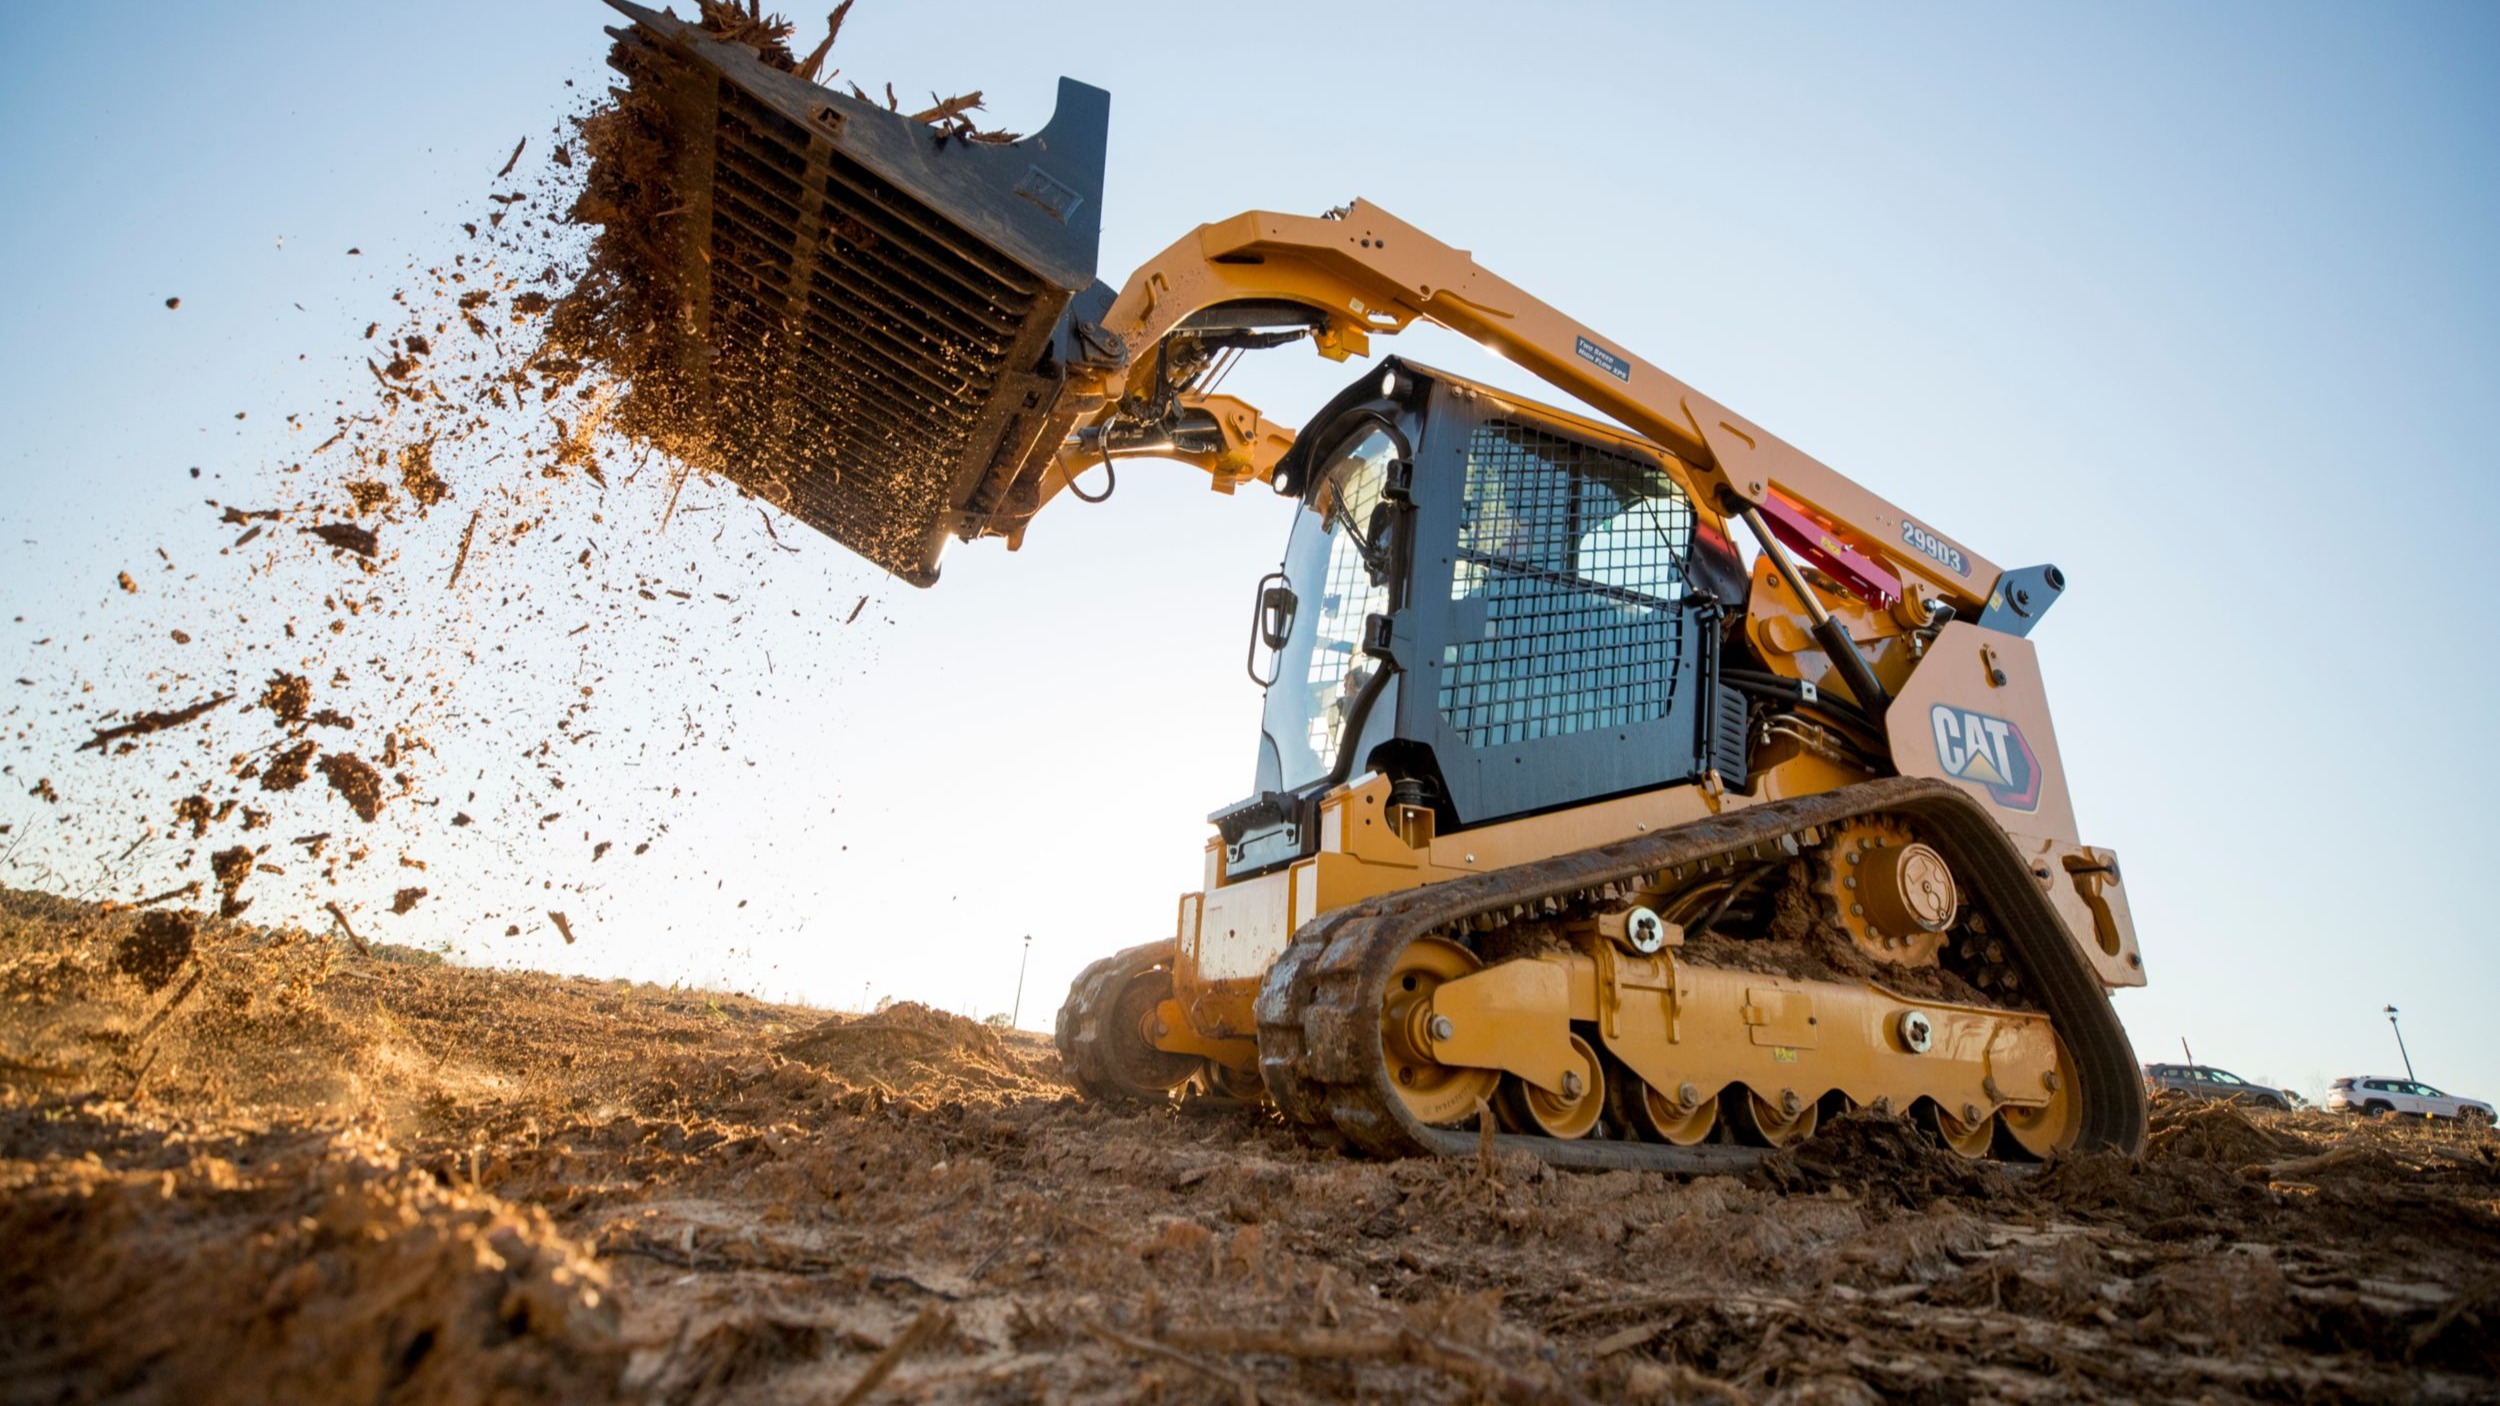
(1318, 1010)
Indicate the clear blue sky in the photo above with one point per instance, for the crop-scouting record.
(2198, 303)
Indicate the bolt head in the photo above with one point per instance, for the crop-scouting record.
(1441, 1028)
(1687, 1095)
(1918, 1033)
(1573, 1084)
(2050, 1081)
(1789, 1102)
(1970, 1113)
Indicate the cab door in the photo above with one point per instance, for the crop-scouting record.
(1556, 642)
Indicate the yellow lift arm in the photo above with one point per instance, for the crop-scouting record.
(1368, 272)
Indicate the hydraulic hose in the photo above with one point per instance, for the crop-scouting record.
(1829, 633)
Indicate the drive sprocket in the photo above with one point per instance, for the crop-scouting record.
(1890, 892)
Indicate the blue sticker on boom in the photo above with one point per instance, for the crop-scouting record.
(1605, 361)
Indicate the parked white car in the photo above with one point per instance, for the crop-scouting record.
(2380, 1094)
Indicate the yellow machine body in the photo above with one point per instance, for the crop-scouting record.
(1860, 883)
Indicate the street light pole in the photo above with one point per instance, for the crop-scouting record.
(1014, 1021)
(2400, 1042)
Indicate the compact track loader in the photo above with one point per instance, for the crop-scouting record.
(1569, 825)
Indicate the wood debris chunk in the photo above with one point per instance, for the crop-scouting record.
(145, 723)
(460, 560)
(563, 924)
(814, 63)
(933, 1323)
(189, 890)
(947, 109)
(347, 537)
(1149, 1347)
(340, 917)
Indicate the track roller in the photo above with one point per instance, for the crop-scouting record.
(1757, 1121)
(1681, 1118)
(1972, 1134)
(1570, 1113)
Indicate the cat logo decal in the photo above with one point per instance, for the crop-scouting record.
(1989, 751)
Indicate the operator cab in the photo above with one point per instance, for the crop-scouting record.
(1504, 607)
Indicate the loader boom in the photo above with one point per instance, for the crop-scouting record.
(1366, 273)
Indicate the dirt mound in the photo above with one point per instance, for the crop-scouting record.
(2206, 1130)
(297, 1172)
(913, 1051)
(295, 1265)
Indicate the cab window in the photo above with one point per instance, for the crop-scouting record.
(1339, 572)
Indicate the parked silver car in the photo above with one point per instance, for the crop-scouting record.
(2380, 1094)
(2205, 1081)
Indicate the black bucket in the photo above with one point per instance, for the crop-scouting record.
(872, 311)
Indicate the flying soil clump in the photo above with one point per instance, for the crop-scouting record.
(519, 380)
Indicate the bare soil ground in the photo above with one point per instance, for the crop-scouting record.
(239, 1164)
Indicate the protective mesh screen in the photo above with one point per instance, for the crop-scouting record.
(1577, 557)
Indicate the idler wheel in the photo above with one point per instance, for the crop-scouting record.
(1437, 1094)
(2051, 1127)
